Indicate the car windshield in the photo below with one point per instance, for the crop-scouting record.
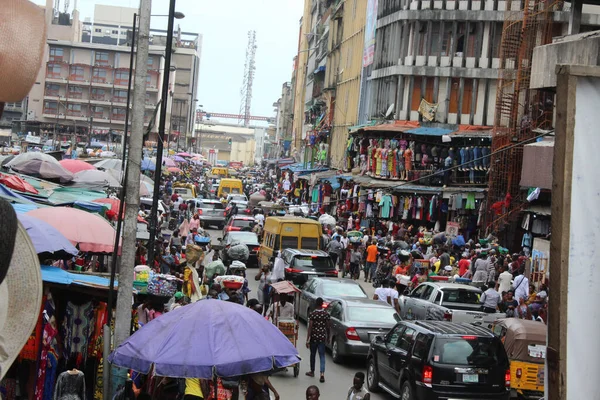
(462, 296)
(238, 198)
(372, 314)
(342, 290)
(244, 237)
(211, 206)
(320, 263)
(242, 223)
(469, 350)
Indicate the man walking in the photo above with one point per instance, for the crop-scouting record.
(317, 336)
(357, 390)
(372, 252)
(335, 249)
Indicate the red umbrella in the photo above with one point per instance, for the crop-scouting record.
(114, 205)
(174, 170)
(76, 165)
(17, 183)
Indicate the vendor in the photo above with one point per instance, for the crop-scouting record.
(282, 309)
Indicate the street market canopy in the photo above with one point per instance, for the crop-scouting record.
(40, 165)
(95, 179)
(89, 232)
(111, 163)
(47, 240)
(61, 277)
(205, 339)
(76, 165)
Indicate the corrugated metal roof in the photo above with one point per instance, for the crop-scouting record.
(57, 275)
(429, 131)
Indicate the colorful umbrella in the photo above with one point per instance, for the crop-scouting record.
(184, 154)
(174, 170)
(40, 164)
(179, 159)
(76, 165)
(114, 204)
(148, 165)
(167, 162)
(233, 340)
(17, 183)
(95, 179)
(48, 241)
(146, 189)
(111, 163)
(89, 232)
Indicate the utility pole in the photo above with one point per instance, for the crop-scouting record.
(132, 183)
(161, 132)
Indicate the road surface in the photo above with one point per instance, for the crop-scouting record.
(338, 377)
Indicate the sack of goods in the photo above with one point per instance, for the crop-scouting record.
(162, 285)
(238, 252)
(192, 253)
(237, 266)
(230, 281)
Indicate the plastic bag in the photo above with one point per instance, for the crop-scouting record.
(238, 252)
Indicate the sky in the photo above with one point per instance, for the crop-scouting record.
(224, 26)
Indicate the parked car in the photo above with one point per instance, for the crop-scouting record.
(237, 198)
(210, 212)
(302, 264)
(431, 360)
(329, 289)
(453, 302)
(237, 223)
(354, 322)
(250, 239)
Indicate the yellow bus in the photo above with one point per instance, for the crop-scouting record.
(288, 233)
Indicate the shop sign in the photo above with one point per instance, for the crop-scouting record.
(33, 139)
(452, 228)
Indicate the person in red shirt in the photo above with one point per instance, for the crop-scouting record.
(464, 264)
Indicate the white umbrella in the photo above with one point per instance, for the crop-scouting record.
(95, 179)
(112, 163)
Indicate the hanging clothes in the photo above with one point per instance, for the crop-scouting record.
(385, 205)
(470, 205)
(527, 239)
(77, 329)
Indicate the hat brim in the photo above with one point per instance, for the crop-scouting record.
(22, 295)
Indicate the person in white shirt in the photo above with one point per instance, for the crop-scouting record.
(504, 280)
(278, 273)
(521, 285)
(357, 391)
(260, 219)
(382, 293)
(490, 300)
(282, 310)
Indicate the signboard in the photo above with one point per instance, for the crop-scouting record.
(452, 228)
(236, 164)
(371, 26)
(33, 139)
(536, 351)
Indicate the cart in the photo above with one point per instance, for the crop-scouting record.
(289, 327)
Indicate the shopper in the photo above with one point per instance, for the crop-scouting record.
(317, 336)
(357, 391)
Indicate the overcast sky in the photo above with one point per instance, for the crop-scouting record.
(224, 25)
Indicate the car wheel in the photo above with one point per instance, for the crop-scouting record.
(335, 352)
(406, 391)
(372, 376)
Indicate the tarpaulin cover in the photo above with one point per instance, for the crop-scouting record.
(56, 275)
(9, 195)
(429, 131)
(205, 339)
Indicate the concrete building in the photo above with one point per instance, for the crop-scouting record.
(343, 75)
(259, 145)
(283, 120)
(112, 25)
(233, 142)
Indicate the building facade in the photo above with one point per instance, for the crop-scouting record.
(230, 142)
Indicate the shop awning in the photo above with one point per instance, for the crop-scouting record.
(61, 277)
(429, 131)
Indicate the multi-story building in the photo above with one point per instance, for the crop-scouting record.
(283, 120)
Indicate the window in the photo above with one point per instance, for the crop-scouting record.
(309, 243)
(462, 296)
(98, 30)
(467, 96)
(119, 114)
(76, 73)
(384, 315)
(417, 95)
(427, 292)
(50, 107)
(122, 77)
(407, 339)
(120, 96)
(53, 71)
(52, 89)
(74, 109)
(75, 92)
(149, 80)
(150, 62)
(98, 111)
(318, 263)
(56, 54)
(115, 32)
(392, 338)
(481, 352)
(99, 75)
(98, 94)
(421, 347)
(101, 58)
(289, 242)
(336, 310)
(418, 292)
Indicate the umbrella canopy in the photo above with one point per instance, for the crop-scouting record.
(167, 162)
(40, 164)
(113, 203)
(204, 339)
(5, 159)
(76, 165)
(146, 189)
(106, 154)
(174, 170)
(95, 179)
(147, 179)
(17, 183)
(111, 163)
(47, 241)
(179, 159)
(148, 165)
(184, 154)
(89, 232)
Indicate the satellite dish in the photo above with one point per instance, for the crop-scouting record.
(390, 110)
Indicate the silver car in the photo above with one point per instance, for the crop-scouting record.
(355, 322)
(211, 212)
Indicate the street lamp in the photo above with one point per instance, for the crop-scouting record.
(176, 15)
(161, 131)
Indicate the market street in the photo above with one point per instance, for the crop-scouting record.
(338, 376)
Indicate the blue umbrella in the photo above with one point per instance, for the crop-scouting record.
(147, 165)
(47, 240)
(206, 339)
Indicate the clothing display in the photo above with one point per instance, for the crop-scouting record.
(70, 385)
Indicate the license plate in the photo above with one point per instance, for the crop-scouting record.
(470, 378)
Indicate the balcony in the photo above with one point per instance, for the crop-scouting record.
(79, 79)
(118, 117)
(99, 81)
(119, 100)
(55, 78)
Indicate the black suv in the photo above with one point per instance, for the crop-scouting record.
(431, 360)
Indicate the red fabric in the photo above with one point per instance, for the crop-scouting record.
(497, 207)
(17, 183)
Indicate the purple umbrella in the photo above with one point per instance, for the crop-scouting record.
(47, 240)
(206, 339)
(179, 159)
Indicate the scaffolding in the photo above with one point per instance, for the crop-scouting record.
(519, 110)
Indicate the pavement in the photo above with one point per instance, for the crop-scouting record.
(338, 377)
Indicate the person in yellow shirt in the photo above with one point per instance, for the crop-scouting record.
(193, 391)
